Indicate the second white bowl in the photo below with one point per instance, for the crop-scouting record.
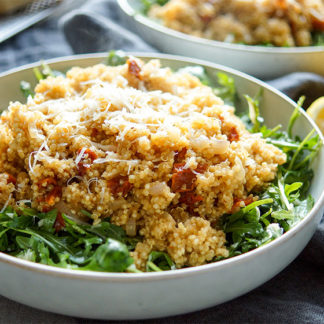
(260, 61)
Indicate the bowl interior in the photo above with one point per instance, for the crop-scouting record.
(275, 107)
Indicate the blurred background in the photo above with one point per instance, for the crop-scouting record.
(29, 30)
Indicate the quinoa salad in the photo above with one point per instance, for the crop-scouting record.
(141, 163)
(252, 22)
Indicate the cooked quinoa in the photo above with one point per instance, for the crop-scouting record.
(275, 22)
(154, 150)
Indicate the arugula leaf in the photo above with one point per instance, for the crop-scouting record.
(226, 89)
(303, 207)
(285, 201)
(111, 256)
(147, 4)
(20, 222)
(159, 261)
(197, 71)
(240, 228)
(295, 115)
(28, 255)
(254, 112)
(86, 213)
(273, 231)
(26, 89)
(40, 74)
(318, 38)
(290, 188)
(47, 221)
(45, 71)
(116, 58)
(283, 214)
(24, 242)
(102, 247)
(3, 239)
(304, 144)
(226, 85)
(106, 230)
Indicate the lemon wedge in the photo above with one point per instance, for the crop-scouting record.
(316, 112)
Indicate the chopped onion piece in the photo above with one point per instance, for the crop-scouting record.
(131, 227)
(157, 188)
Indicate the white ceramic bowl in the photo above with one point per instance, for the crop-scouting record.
(260, 61)
(149, 295)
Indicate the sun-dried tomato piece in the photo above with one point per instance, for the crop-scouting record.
(134, 68)
(94, 132)
(120, 184)
(178, 167)
(52, 195)
(317, 20)
(281, 4)
(180, 155)
(237, 203)
(201, 167)
(190, 198)
(82, 166)
(11, 179)
(126, 187)
(46, 209)
(114, 185)
(46, 182)
(59, 223)
(92, 155)
(56, 192)
(183, 180)
(206, 18)
(233, 135)
(216, 202)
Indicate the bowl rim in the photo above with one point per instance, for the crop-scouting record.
(171, 274)
(126, 7)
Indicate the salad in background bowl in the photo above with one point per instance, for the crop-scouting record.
(279, 23)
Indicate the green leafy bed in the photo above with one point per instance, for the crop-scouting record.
(317, 36)
(54, 239)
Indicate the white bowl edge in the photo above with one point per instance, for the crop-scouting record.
(91, 275)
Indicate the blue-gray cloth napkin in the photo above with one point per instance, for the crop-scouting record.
(37, 43)
(296, 295)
